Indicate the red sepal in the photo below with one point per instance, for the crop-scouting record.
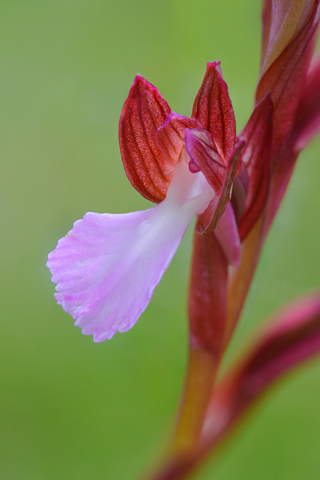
(144, 111)
(213, 108)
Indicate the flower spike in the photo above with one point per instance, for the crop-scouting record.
(108, 266)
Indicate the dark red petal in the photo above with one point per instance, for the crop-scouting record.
(307, 123)
(209, 219)
(285, 77)
(208, 294)
(170, 136)
(203, 154)
(213, 108)
(144, 111)
(256, 158)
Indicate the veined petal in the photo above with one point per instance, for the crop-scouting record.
(213, 108)
(108, 266)
(148, 170)
(171, 135)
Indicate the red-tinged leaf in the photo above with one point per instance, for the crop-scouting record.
(213, 108)
(170, 136)
(209, 219)
(256, 158)
(307, 123)
(208, 294)
(144, 111)
(291, 339)
(282, 21)
(203, 154)
(285, 77)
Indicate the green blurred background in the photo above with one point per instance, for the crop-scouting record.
(72, 409)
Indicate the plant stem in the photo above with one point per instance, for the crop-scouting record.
(202, 369)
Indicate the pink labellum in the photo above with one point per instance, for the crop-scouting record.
(256, 159)
(213, 108)
(144, 111)
(107, 267)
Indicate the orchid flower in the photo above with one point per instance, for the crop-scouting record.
(107, 266)
(285, 118)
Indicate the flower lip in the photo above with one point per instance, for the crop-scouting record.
(108, 266)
